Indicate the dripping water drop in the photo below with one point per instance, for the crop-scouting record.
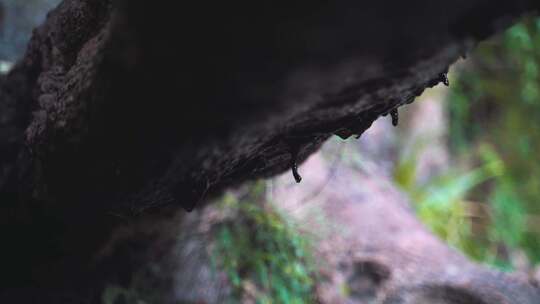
(395, 117)
(444, 79)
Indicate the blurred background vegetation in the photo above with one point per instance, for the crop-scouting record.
(487, 205)
(264, 254)
(485, 202)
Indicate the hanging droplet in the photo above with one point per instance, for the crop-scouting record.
(294, 167)
(444, 79)
(395, 117)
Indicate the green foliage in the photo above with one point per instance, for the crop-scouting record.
(442, 203)
(495, 102)
(263, 254)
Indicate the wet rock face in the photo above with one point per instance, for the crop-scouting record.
(181, 111)
(185, 103)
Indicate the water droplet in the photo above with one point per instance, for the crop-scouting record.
(395, 117)
(294, 167)
(444, 79)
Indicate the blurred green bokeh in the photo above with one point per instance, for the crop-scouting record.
(489, 204)
(262, 251)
